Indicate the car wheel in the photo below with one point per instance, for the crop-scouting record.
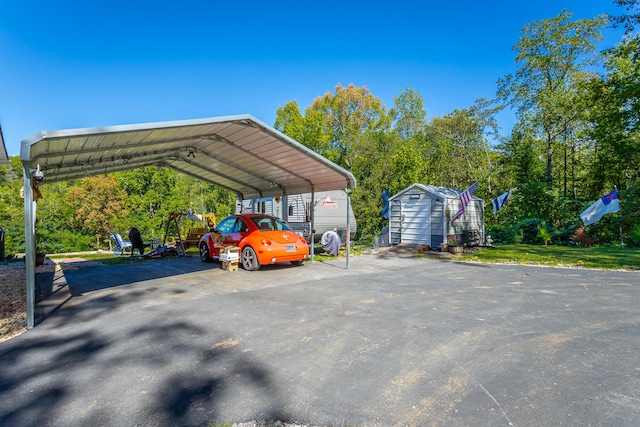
(297, 263)
(205, 256)
(249, 259)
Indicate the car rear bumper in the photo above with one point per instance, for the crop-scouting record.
(269, 257)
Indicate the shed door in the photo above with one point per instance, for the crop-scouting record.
(416, 222)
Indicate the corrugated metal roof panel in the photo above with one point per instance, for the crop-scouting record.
(444, 192)
(240, 153)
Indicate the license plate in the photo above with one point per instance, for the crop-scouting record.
(291, 248)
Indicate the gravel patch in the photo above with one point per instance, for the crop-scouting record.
(13, 304)
(13, 298)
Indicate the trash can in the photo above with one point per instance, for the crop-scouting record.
(1, 244)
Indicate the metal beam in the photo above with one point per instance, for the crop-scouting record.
(102, 149)
(312, 214)
(30, 244)
(179, 169)
(252, 154)
(348, 236)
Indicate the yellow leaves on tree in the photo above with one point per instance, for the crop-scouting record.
(97, 202)
(345, 116)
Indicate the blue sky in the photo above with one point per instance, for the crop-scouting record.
(75, 64)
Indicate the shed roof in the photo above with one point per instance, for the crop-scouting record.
(239, 153)
(444, 192)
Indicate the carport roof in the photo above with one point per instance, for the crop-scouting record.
(239, 153)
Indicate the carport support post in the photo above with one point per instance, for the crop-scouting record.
(312, 208)
(284, 207)
(30, 244)
(445, 222)
(348, 237)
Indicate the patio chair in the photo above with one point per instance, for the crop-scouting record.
(136, 241)
(121, 246)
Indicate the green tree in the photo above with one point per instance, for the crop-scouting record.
(457, 149)
(155, 192)
(349, 127)
(408, 114)
(628, 20)
(57, 230)
(99, 205)
(551, 56)
(338, 120)
(11, 205)
(615, 116)
(289, 120)
(374, 171)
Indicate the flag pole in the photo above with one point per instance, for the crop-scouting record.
(619, 221)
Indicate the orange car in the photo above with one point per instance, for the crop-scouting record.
(262, 239)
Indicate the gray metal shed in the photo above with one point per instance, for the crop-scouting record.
(420, 214)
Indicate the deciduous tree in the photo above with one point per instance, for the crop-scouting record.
(550, 56)
(98, 202)
(337, 121)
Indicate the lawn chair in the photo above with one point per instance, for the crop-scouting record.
(121, 246)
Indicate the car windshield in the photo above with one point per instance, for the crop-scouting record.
(268, 223)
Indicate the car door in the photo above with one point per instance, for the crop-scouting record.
(225, 229)
(239, 231)
(233, 230)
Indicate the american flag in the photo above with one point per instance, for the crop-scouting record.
(465, 197)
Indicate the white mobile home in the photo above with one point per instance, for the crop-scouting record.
(420, 214)
(330, 212)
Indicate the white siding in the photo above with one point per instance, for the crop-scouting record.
(472, 218)
(416, 222)
(395, 215)
(330, 212)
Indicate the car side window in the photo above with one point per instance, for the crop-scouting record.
(263, 223)
(226, 225)
(241, 226)
(281, 225)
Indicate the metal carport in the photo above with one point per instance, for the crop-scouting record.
(239, 153)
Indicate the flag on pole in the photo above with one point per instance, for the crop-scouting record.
(465, 197)
(604, 205)
(500, 201)
(385, 204)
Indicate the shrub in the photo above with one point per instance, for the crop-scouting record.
(544, 233)
(582, 238)
(634, 236)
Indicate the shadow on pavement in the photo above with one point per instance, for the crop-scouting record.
(56, 288)
(177, 396)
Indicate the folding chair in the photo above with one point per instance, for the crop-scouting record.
(121, 246)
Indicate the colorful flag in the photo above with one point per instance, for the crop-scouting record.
(500, 201)
(385, 204)
(604, 205)
(465, 197)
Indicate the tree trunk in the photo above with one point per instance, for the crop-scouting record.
(564, 172)
(549, 161)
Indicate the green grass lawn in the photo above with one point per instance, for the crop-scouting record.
(111, 259)
(603, 257)
(105, 258)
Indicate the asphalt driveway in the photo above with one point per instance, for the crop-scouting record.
(392, 341)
